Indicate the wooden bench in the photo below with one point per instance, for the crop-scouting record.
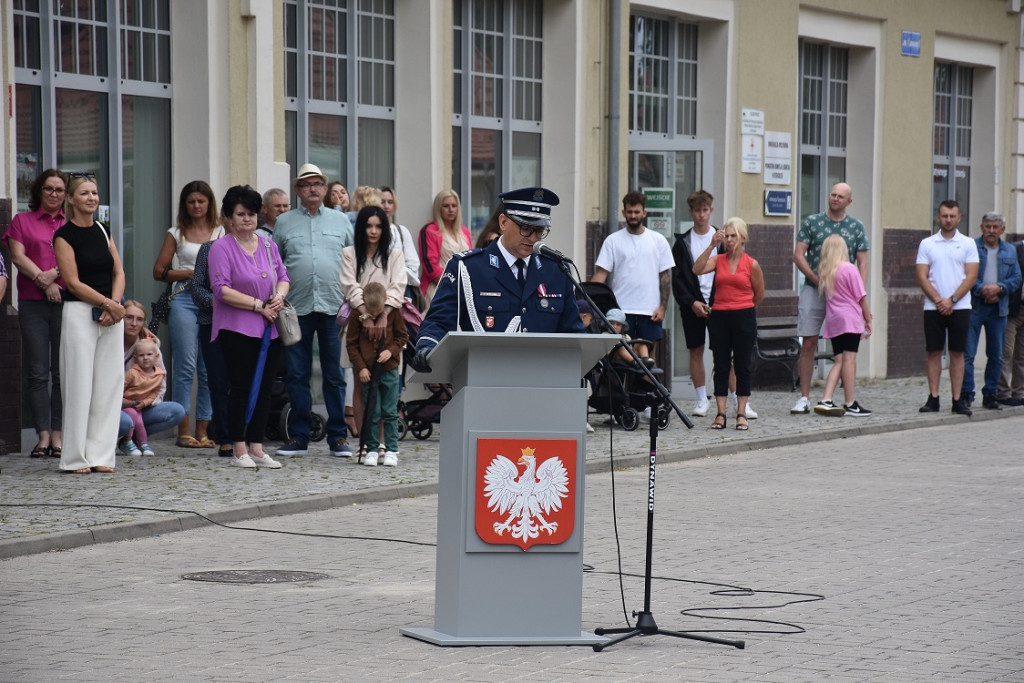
(778, 342)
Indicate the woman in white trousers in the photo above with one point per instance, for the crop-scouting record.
(91, 361)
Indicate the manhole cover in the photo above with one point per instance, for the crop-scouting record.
(254, 576)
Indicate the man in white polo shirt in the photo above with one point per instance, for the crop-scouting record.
(947, 266)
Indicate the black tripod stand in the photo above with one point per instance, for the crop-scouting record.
(645, 624)
(658, 396)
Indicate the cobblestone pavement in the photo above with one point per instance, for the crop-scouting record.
(912, 538)
(180, 480)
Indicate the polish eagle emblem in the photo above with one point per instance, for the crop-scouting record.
(525, 501)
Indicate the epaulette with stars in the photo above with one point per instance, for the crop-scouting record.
(468, 253)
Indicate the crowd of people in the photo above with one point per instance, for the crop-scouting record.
(346, 267)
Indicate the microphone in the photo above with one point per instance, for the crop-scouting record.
(545, 250)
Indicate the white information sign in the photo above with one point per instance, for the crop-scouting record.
(752, 121)
(751, 161)
(778, 163)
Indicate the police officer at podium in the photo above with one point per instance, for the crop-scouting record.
(503, 287)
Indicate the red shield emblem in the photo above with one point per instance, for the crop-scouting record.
(525, 491)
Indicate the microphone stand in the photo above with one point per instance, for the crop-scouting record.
(645, 623)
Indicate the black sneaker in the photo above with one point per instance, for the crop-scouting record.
(292, 447)
(856, 410)
(829, 408)
(930, 406)
(1011, 402)
(991, 403)
(960, 407)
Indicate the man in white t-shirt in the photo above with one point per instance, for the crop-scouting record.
(947, 266)
(639, 263)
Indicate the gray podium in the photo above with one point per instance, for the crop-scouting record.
(517, 398)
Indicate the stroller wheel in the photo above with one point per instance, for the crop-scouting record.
(630, 419)
(403, 428)
(663, 416)
(317, 427)
(421, 430)
(283, 424)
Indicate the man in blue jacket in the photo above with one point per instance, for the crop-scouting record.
(998, 275)
(503, 287)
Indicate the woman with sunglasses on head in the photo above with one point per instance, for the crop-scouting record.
(92, 333)
(442, 239)
(40, 304)
(198, 223)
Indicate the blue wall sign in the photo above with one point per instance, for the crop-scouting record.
(910, 44)
(778, 202)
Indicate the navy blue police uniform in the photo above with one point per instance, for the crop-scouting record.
(546, 303)
(479, 291)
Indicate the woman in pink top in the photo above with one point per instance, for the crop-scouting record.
(249, 283)
(732, 321)
(847, 320)
(40, 304)
(442, 239)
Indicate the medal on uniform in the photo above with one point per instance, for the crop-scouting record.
(542, 290)
(489, 321)
(544, 303)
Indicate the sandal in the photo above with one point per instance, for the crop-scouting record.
(84, 470)
(206, 442)
(55, 451)
(226, 451)
(744, 426)
(719, 425)
(103, 469)
(187, 441)
(39, 452)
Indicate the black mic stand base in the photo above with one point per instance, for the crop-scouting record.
(646, 626)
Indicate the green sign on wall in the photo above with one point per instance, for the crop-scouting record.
(660, 198)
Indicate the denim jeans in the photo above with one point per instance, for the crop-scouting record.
(158, 418)
(385, 406)
(187, 359)
(217, 372)
(299, 362)
(987, 316)
(40, 343)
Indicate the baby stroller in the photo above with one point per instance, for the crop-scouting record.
(419, 416)
(277, 417)
(620, 389)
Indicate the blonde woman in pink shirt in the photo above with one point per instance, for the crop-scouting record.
(847, 321)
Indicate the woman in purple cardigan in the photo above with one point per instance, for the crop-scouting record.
(249, 283)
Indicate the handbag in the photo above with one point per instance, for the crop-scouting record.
(161, 308)
(288, 329)
(344, 313)
(412, 316)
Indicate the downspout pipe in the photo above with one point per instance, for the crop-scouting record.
(614, 109)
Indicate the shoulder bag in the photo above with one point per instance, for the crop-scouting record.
(287, 318)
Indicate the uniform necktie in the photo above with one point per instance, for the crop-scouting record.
(521, 269)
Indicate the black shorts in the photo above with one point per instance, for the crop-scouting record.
(845, 342)
(938, 326)
(694, 328)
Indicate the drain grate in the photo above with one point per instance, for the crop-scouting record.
(254, 576)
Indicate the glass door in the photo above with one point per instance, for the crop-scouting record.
(676, 173)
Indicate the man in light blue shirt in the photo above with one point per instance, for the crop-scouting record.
(310, 238)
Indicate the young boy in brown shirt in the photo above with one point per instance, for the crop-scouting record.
(386, 354)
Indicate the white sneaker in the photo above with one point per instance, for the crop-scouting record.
(701, 409)
(245, 461)
(646, 415)
(802, 406)
(590, 429)
(265, 461)
(750, 412)
(370, 459)
(390, 459)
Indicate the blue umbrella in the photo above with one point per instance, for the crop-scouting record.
(257, 379)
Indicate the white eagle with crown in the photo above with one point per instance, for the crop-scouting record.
(526, 497)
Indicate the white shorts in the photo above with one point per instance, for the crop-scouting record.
(812, 312)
